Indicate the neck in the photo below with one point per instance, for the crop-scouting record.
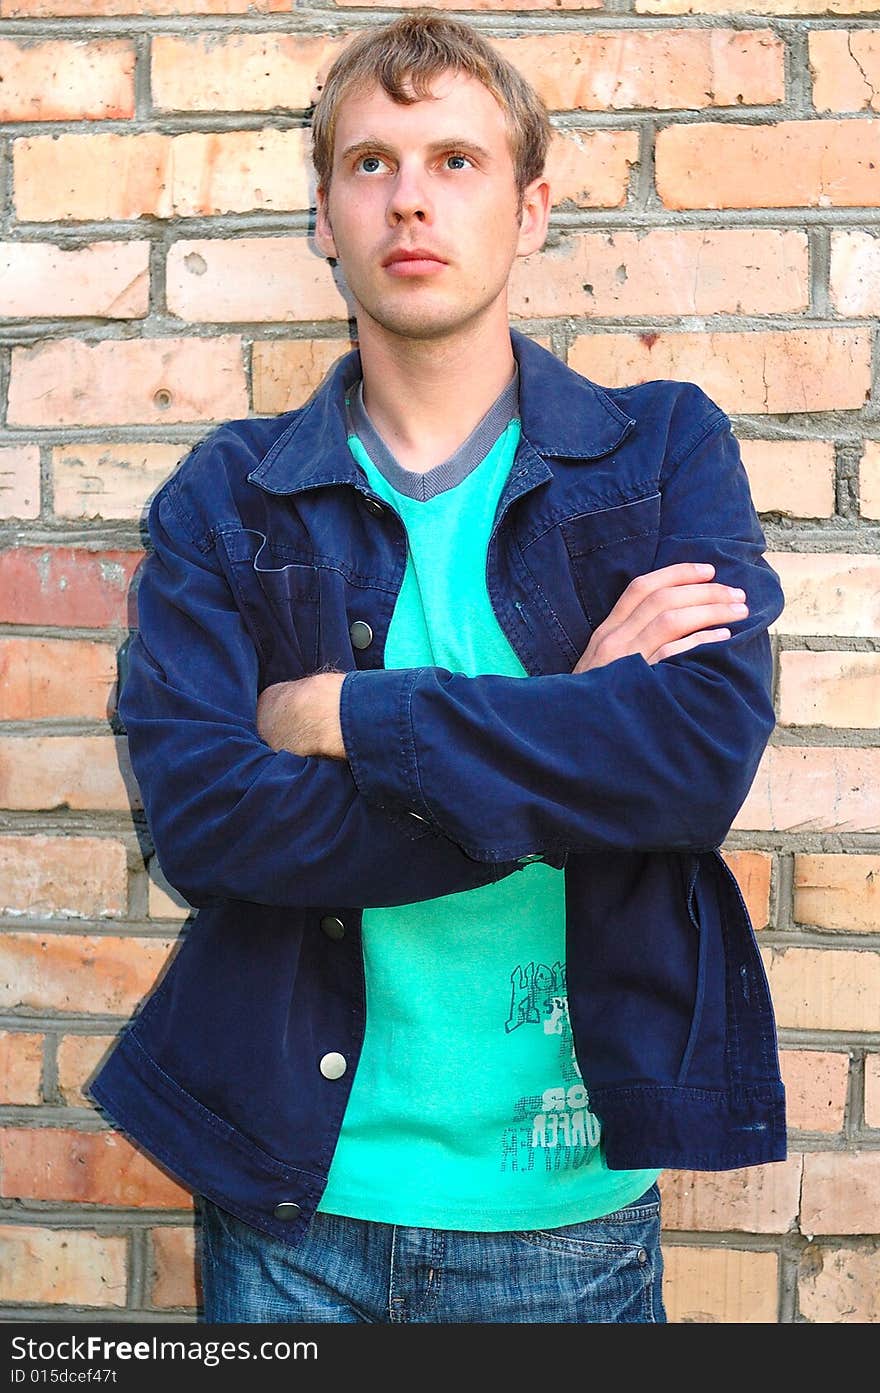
(425, 396)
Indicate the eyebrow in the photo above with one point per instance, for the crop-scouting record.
(452, 142)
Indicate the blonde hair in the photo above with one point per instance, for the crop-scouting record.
(411, 52)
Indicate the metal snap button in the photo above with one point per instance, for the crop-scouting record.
(333, 927)
(333, 1065)
(361, 634)
(375, 508)
(287, 1209)
(532, 856)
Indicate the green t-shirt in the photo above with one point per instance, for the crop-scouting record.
(467, 1110)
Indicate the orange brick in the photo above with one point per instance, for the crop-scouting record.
(838, 892)
(690, 68)
(824, 988)
(44, 678)
(713, 1286)
(109, 280)
(287, 372)
(753, 370)
(251, 278)
(125, 382)
(56, 1163)
(872, 1090)
(60, 80)
(799, 789)
(80, 877)
(840, 1192)
(74, 771)
(752, 871)
(869, 480)
(815, 164)
(19, 481)
(794, 477)
(668, 271)
(21, 1068)
(79, 972)
(855, 272)
(845, 66)
(591, 168)
(92, 9)
(833, 593)
(78, 1060)
(242, 72)
(59, 1267)
(758, 7)
(111, 480)
(164, 901)
(756, 1199)
(839, 1286)
(831, 689)
(173, 1269)
(67, 586)
(815, 1089)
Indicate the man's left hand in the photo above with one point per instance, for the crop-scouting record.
(303, 716)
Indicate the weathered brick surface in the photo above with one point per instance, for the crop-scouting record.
(795, 477)
(829, 593)
(251, 278)
(714, 1286)
(763, 370)
(841, 1192)
(62, 1267)
(57, 1163)
(79, 973)
(73, 771)
(110, 280)
(815, 1089)
(833, 689)
(173, 1269)
(757, 7)
(869, 480)
(242, 72)
(845, 64)
(838, 892)
(591, 168)
(838, 1285)
(164, 901)
(46, 678)
(93, 9)
(753, 870)
(19, 481)
(824, 988)
(21, 1067)
(757, 1199)
(78, 1059)
(855, 268)
(810, 789)
(110, 480)
(60, 586)
(286, 372)
(133, 381)
(57, 80)
(67, 877)
(872, 1090)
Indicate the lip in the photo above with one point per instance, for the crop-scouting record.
(416, 257)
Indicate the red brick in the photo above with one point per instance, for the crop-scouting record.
(838, 892)
(756, 1199)
(110, 480)
(824, 988)
(872, 1090)
(164, 901)
(60, 80)
(173, 1269)
(839, 1286)
(67, 586)
(45, 678)
(830, 689)
(657, 68)
(92, 9)
(712, 1286)
(55, 1163)
(251, 278)
(758, 7)
(815, 164)
(794, 477)
(869, 481)
(74, 771)
(667, 271)
(287, 371)
(845, 67)
(840, 1192)
(755, 370)
(19, 481)
(125, 382)
(67, 876)
(78, 1060)
(83, 973)
(855, 272)
(241, 72)
(752, 871)
(811, 789)
(21, 1068)
(59, 1267)
(591, 168)
(107, 280)
(834, 593)
(815, 1089)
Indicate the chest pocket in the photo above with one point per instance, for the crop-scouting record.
(608, 548)
(278, 594)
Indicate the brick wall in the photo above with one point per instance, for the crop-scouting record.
(717, 182)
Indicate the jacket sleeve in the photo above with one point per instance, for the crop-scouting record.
(630, 756)
(230, 818)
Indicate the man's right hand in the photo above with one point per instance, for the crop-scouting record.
(663, 613)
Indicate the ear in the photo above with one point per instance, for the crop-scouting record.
(323, 227)
(535, 216)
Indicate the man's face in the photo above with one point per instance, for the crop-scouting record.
(435, 175)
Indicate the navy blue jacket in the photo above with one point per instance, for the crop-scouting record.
(271, 559)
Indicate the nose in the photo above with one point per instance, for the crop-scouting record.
(409, 197)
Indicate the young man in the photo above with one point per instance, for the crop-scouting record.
(448, 686)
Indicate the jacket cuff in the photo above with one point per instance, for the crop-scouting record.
(375, 714)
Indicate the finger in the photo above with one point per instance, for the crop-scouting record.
(687, 597)
(674, 624)
(640, 587)
(683, 645)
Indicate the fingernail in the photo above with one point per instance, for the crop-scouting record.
(737, 594)
(705, 569)
(739, 609)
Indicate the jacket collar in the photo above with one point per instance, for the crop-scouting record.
(563, 415)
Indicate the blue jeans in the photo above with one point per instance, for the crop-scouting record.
(602, 1271)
